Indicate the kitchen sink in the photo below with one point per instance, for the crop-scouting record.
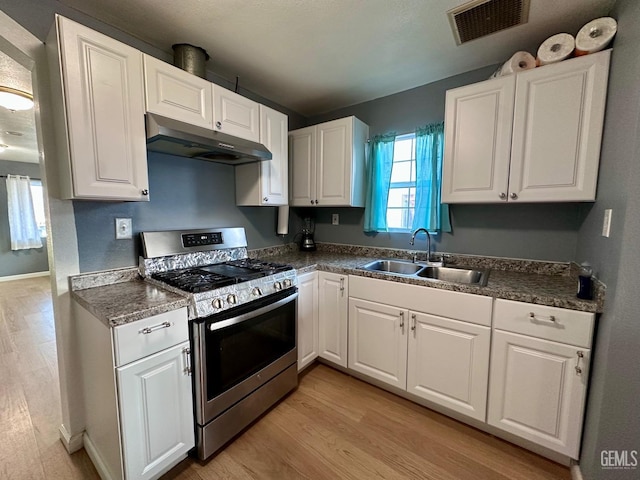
(455, 275)
(445, 274)
(393, 266)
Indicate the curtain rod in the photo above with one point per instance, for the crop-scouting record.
(31, 178)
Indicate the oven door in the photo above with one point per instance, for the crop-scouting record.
(237, 351)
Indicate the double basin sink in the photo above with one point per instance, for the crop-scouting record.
(446, 274)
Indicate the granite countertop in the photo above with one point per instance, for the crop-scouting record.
(555, 287)
(126, 301)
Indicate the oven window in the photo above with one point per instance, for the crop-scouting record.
(236, 352)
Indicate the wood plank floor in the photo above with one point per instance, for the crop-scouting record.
(333, 426)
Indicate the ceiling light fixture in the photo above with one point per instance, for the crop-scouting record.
(3, 147)
(13, 99)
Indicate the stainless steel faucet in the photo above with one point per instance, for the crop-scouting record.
(413, 239)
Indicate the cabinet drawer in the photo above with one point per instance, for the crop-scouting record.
(550, 323)
(444, 303)
(138, 339)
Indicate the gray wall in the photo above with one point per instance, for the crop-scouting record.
(613, 420)
(184, 193)
(536, 231)
(20, 261)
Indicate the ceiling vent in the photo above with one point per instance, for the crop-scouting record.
(479, 18)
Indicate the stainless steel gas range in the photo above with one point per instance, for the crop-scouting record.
(243, 325)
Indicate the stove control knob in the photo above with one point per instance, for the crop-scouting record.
(217, 303)
(277, 286)
(256, 292)
(287, 283)
(232, 299)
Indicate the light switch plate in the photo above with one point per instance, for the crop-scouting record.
(606, 224)
(123, 228)
(335, 219)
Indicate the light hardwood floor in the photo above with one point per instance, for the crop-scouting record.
(332, 427)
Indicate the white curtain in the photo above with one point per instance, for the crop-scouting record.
(22, 219)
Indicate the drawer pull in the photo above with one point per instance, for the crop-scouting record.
(402, 321)
(160, 326)
(187, 360)
(580, 355)
(550, 318)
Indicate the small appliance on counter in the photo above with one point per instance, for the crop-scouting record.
(307, 244)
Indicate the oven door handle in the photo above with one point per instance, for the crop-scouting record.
(246, 316)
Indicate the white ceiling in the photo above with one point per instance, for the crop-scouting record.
(314, 56)
(21, 148)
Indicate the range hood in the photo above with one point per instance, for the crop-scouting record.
(166, 135)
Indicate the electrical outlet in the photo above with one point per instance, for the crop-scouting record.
(123, 228)
(606, 224)
(335, 219)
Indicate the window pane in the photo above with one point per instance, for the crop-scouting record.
(38, 206)
(399, 198)
(394, 218)
(401, 172)
(403, 149)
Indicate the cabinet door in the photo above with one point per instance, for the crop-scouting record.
(558, 118)
(302, 167)
(235, 115)
(477, 149)
(378, 341)
(448, 363)
(104, 98)
(177, 94)
(307, 319)
(536, 391)
(332, 317)
(334, 162)
(156, 412)
(274, 127)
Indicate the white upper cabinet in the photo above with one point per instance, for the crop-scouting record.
(235, 115)
(531, 137)
(98, 93)
(267, 182)
(177, 94)
(327, 164)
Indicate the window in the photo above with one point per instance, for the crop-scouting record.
(402, 189)
(37, 194)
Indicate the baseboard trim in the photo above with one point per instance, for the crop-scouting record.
(96, 459)
(22, 276)
(72, 443)
(576, 473)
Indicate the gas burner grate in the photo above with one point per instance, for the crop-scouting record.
(193, 280)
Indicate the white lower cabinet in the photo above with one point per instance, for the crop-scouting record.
(137, 392)
(443, 360)
(538, 381)
(333, 305)
(307, 319)
(156, 411)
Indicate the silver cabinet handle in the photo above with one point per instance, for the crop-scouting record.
(316, 201)
(413, 324)
(266, 199)
(580, 355)
(402, 321)
(145, 192)
(503, 195)
(219, 125)
(160, 326)
(342, 286)
(514, 195)
(533, 318)
(311, 202)
(186, 351)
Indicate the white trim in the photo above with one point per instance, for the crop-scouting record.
(22, 276)
(96, 458)
(576, 473)
(72, 443)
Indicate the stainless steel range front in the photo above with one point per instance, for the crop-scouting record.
(243, 325)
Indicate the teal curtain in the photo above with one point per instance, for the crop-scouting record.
(378, 180)
(430, 213)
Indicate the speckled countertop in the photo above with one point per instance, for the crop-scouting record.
(120, 296)
(128, 299)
